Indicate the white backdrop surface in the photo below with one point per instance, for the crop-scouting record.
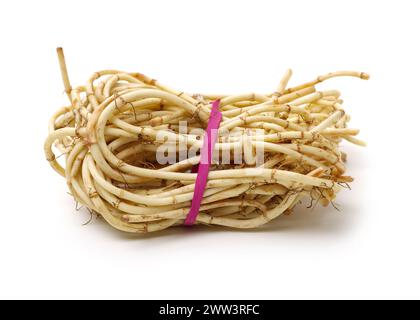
(370, 249)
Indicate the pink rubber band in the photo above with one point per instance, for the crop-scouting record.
(205, 162)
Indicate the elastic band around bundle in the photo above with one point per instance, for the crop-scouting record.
(203, 169)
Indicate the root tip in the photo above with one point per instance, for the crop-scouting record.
(364, 76)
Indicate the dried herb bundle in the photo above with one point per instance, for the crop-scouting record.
(109, 136)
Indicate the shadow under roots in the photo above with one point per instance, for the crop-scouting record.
(317, 219)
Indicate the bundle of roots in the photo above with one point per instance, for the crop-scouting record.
(111, 139)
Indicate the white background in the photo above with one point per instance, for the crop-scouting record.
(368, 250)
